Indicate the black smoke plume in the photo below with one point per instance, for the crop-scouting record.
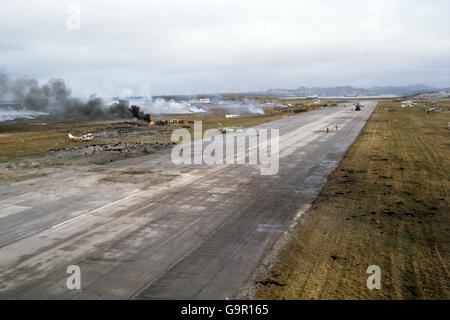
(55, 98)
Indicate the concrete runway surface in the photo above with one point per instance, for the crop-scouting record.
(145, 228)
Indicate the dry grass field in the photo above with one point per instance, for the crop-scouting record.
(30, 139)
(25, 140)
(386, 204)
(30, 149)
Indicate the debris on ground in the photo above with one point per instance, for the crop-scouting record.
(121, 149)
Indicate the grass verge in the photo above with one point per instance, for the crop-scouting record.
(386, 204)
(32, 139)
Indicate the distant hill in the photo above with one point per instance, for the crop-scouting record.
(432, 96)
(354, 91)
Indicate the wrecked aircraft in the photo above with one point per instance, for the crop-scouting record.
(407, 103)
(85, 137)
(434, 109)
(230, 129)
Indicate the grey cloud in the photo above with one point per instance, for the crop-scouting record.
(172, 47)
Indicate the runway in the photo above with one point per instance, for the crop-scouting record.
(145, 228)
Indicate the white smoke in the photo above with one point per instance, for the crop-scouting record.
(165, 106)
(243, 107)
(7, 114)
(256, 110)
(160, 105)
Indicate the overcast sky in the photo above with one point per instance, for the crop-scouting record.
(175, 47)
